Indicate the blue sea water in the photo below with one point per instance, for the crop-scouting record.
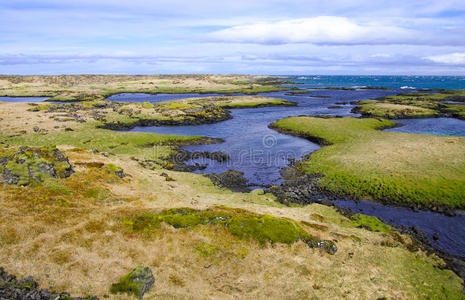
(393, 82)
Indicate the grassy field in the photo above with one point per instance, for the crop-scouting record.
(97, 87)
(80, 234)
(126, 115)
(366, 163)
(88, 230)
(395, 111)
(416, 105)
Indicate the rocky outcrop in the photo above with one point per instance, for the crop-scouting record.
(206, 114)
(28, 289)
(137, 282)
(232, 179)
(31, 165)
(177, 161)
(298, 187)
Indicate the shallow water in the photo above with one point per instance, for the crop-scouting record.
(435, 126)
(261, 152)
(451, 230)
(23, 99)
(255, 149)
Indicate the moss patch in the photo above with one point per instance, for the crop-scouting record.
(33, 165)
(137, 282)
(371, 223)
(240, 223)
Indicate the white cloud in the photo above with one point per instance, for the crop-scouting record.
(448, 59)
(328, 30)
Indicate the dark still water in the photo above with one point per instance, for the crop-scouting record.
(260, 153)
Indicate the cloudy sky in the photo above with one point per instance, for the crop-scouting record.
(240, 36)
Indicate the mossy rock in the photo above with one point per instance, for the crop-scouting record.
(240, 223)
(113, 169)
(33, 165)
(137, 282)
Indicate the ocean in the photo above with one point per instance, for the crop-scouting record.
(392, 82)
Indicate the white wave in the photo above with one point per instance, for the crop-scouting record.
(406, 87)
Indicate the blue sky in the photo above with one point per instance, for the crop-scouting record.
(241, 36)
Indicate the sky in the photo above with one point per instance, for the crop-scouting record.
(291, 37)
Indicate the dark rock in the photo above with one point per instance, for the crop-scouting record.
(177, 161)
(232, 179)
(301, 189)
(28, 289)
(329, 247)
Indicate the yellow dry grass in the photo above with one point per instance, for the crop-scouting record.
(83, 248)
(70, 237)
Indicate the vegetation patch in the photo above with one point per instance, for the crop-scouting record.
(363, 162)
(240, 223)
(370, 222)
(441, 103)
(137, 282)
(33, 165)
(97, 87)
(395, 111)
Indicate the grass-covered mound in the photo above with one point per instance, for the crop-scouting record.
(394, 111)
(446, 103)
(364, 162)
(124, 115)
(240, 223)
(141, 145)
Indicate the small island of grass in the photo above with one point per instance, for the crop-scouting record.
(363, 162)
(443, 103)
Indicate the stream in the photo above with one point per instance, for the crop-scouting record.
(261, 152)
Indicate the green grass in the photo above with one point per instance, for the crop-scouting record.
(137, 144)
(130, 283)
(251, 89)
(434, 104)
(371, 222)
(363, 162)
(240, 223)
(395, 111)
